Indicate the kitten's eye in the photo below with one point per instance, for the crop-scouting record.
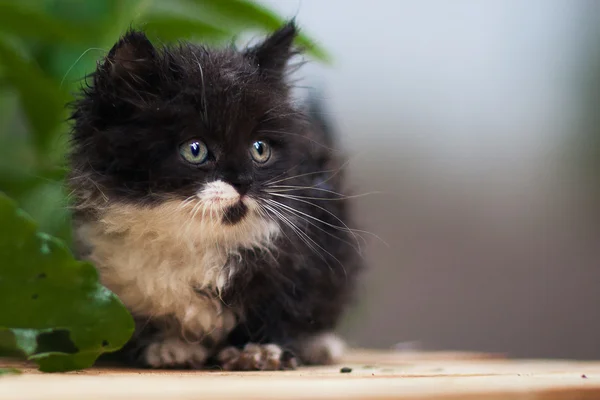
(194, 152)
(261, 152)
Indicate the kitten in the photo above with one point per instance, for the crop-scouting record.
(209, 204)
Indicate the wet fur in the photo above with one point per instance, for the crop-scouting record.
(201, 255)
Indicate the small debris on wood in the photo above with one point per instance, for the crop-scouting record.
(584, 376)
(345, 370)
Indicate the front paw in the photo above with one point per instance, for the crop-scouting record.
(206, 318)
(322, 349)
(255, 357)
(174, 352)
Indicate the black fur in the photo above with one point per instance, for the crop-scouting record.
(144, 101)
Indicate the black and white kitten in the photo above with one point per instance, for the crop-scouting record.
(210, 205)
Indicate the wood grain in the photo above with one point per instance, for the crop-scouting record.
(375, 375)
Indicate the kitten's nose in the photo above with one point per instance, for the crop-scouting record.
(241, 183)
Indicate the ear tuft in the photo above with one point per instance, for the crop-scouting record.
(272, 55)
(132, 58)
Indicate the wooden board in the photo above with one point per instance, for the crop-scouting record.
(375, 375)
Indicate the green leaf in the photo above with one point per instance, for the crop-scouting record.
(56, 361)
(123, 13)
(28, 22)
(172, 28)
(52, 215)
(53, 307)
(41, 97)
(8, 107)
(244, 14)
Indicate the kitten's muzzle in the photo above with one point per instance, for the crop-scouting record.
(241, 183)
(241, 187)
(221, 194)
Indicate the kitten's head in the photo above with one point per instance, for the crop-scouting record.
(186, 122)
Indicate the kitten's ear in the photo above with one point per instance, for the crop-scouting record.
(132, 59)
(272, 55)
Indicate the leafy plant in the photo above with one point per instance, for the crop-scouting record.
(52, 309)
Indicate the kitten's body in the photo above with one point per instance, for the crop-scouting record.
(234, 260)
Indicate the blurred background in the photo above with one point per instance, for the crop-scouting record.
(478, 120)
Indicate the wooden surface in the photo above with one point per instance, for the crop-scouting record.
(375, 375)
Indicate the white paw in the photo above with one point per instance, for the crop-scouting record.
(255, 357)
(207, 317)
(174, 352)
(322, 349)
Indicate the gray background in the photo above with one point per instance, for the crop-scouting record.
(463, 112)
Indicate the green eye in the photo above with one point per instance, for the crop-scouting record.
(260, 151)
(194, 152)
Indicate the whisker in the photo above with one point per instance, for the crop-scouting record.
(75, 63)
(345, 228)
(289, 223)
(289, 188)
(335, 172)
(269, 183)
(301, 233)
(186, 202)
(204, 103)
(269, 111)
(355, 247)
(291, 197)
(275, 192)
(295, 229)
(352, 230)
(305, 239)
(267, 208)
(276, 116)
(193, 213)
(283, 173)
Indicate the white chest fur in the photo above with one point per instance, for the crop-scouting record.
(154, 257)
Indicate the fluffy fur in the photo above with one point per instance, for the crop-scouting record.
(234, 260)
